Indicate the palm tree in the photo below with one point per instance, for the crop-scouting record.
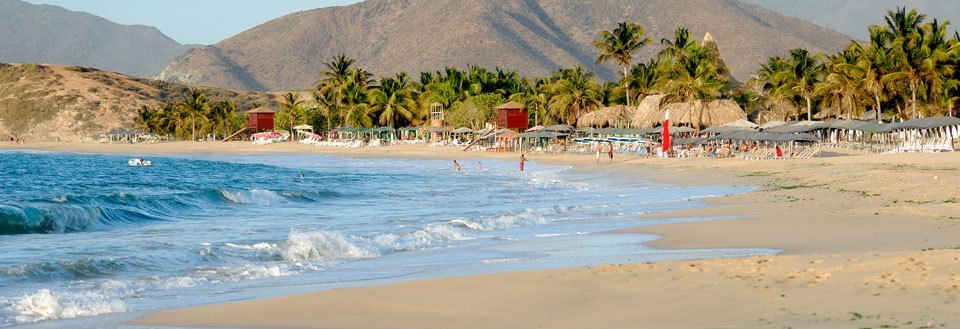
(675, 48)
(644, 78)
(573, 93)
(195, 106)
(802, 77)
(293, 105)
(875, 61)
(694, 75)
(222, 116)
(535, 97)
(840, 87)
(393, 100)
(619, 45)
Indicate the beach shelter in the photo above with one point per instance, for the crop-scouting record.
(302, 130)
(559, 128)
(613, 116)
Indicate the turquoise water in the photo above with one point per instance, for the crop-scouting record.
(82, 235)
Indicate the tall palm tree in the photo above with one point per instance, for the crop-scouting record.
(195, 106)
(875, 61)
(840, 87)
(393, 100)
(573, 94)
(802, 77)
(619, 45)
(293, 105)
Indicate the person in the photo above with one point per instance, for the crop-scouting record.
(779, 152)
(456, 166)
(479, 166)
(599, 147)
(522, 160)
(301, 174)
(610, 152)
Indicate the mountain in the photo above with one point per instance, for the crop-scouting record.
(531, 36)
(49, 34)
(72, 103)
(853, 16)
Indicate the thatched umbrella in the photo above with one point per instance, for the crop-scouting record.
(614, 116)
(696, 113)
(648, 106)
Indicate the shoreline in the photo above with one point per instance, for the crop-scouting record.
(861, 234)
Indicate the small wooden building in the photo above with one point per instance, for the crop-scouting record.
(261, 119)
(513, 115)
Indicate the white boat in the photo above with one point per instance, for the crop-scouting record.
(139, 162)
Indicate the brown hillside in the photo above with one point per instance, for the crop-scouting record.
(50, 103)
(532, 36)
(32, 33)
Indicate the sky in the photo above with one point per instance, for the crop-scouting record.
(193, 21)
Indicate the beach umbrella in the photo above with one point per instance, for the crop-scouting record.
(666, 131)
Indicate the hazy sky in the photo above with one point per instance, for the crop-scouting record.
(209, 21)
(193, 21)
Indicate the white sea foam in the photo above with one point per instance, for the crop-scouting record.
(300, 246)
(45, 305)
(254, 196)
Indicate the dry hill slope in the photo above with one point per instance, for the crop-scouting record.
(532, 36)
(49, 34)
(50, 103)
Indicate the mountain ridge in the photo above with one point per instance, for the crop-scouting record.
(32, 33)
(533, 37)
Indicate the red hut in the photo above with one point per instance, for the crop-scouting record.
(512, 115)
(261, 119)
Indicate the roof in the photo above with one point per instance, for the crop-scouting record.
(462, 130)
(511, 105)
(924, 123)
(558, 128)
(762, 137)
(697, 113)
(261, 110)
(797, 127)
(541, 134)
(607, 116)
(732, 126)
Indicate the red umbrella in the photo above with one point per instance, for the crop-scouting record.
(666, 132)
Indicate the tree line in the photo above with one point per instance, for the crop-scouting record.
(905, 70)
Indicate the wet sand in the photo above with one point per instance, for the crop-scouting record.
(869, 241)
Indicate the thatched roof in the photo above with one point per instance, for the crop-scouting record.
(262, 110)
(617, 115)
(696, 113)
(711, 44)
(648, 106)
(511, 105)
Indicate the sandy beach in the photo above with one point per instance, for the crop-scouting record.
(869, 241)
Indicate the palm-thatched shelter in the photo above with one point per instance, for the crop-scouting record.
(612, 116)
(696, 113)
(648, 106)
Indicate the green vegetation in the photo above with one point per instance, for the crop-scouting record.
(193, 117)
(907, 69)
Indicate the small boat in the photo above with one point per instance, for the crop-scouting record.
(137, 162)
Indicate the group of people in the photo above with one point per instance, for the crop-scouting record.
(14, 138)
(457, 167)
(609, 152)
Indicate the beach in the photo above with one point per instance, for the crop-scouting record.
(869, 241)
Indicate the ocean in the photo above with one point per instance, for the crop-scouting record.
(87, 237)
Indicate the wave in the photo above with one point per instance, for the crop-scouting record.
(68, 214)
